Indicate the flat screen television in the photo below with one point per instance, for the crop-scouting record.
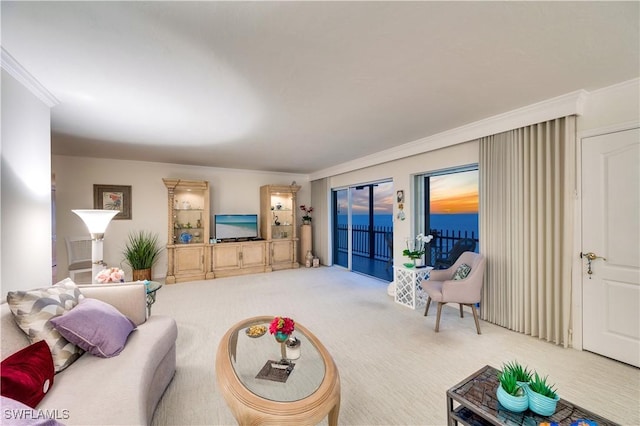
(236, 226)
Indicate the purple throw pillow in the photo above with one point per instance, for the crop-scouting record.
(96, 327)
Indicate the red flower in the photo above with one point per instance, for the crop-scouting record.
(282, 324)
(306, 209)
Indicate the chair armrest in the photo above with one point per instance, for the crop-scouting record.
(129, 298)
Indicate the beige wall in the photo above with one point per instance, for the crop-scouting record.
(25, 212)
(232, 191)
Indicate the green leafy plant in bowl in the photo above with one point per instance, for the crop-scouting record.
(539, 385)
(543, 397)
(510, 394)
(510, 384)
(521, 373)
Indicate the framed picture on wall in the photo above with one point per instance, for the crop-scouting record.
(113, 197)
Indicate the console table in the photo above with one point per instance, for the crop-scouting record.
(409, 292)
(478, 405)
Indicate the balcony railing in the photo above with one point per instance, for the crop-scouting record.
(377, 243)
(443, 242)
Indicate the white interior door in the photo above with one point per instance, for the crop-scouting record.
(611, 231)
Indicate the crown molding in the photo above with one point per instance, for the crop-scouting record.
(17, 71)
(561, 106)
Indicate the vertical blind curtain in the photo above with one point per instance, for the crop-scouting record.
(527, 181)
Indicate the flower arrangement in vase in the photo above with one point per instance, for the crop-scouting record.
(281, 328)
(306, 218)
(417, 248)
(110, 275)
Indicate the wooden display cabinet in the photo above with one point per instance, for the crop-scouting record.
(278, 218)
(188, 249)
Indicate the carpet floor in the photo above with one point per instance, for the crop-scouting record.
(394, 368)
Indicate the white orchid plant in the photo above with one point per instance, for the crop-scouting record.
(418, 246)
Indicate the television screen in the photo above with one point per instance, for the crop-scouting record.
(236, 226)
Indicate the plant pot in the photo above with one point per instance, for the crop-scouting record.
(541, 404)
(142, 274)
(517, 404)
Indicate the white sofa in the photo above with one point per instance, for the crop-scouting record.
(123, 390)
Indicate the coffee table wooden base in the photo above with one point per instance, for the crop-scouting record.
(250, 409)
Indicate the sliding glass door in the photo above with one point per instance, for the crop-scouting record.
(363, 229)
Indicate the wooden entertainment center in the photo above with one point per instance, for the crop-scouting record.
(191, 255)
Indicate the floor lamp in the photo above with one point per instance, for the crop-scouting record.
(97, 222)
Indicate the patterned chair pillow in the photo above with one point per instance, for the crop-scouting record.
(462, 272)
(32, 311)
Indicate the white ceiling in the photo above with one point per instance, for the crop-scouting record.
(303, 86)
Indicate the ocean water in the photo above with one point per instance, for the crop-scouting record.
(236, 226)
(442, 222)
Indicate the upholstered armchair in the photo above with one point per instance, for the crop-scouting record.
(447, 286)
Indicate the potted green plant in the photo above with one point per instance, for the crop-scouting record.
(141, 252)
(510, 393)
(543, 397)
(521, 373)
(416, 249)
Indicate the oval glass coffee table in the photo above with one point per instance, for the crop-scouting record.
(303, 396)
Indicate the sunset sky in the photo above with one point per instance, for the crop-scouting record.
(450, 194)
(455, 193)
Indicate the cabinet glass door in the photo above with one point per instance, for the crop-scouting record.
(282, 215)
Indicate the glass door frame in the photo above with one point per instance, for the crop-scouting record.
(334, 227)
(363, 250)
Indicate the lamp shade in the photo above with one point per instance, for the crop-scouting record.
(96, 220)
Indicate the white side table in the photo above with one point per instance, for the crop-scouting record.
(409, 290)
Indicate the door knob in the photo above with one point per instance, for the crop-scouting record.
(590, 258)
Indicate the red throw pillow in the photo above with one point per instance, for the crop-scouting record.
(27, 375)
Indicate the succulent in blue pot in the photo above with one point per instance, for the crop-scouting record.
(543, 398)
(510, 393)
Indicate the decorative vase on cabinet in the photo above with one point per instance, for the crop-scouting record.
(188, 254)
(278, 221)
